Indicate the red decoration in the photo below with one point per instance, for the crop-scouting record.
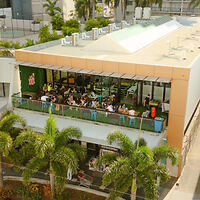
(153, 112)
(31, 79)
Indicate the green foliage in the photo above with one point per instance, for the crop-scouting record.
(57, 22)
(92, 23)
(103, 22)
(68, 31)
(84, 198)
(142, 142)
(99, 22)
(51, 8)
(26, 194)
(134, 166)
(46, 36)
(72, 23)
(29, 42)
(82, 8)
(10, 44)
(53, 153)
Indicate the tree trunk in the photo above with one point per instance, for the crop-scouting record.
(133, 189)
(52, 183)
(1, 173)
(93, 9)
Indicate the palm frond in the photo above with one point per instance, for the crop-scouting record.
(50, 128)
(66, 157)
(5, 113)
(166, 152)
(142, 158)
(63, 137)
(126, 145)
(8, 121)
(148, 183)
(116, 169)
(106, 159)
(5, 143)
(194, 3)
(32, 167)
(79, 150)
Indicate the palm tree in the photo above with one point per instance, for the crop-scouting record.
(7, 121)
(54, 151)
(83, 8)
(135, 165)
(51, 8)
(194, 3)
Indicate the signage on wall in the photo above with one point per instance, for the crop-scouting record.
(31, 79)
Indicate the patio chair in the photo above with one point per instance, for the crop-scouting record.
(84, 36)
(44, 105)
(115, 27)
(101, 32)
(52, 107)
(64, 41)
(122, 118)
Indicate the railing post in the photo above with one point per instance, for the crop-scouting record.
(62, 110)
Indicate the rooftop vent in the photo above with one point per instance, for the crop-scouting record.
(75, 39)
(95, 33)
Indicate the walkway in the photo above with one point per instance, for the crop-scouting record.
(92, 132)
(189, 181)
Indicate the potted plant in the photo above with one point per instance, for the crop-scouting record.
(35, 25)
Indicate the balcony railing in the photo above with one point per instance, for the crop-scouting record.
(97, 115)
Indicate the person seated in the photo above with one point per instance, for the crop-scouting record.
(115, 108)
(44, 98)
(145, 113)
(49, 88)
(45, 88)
(123, 106)
(110, 108)
(131, 112)
(97, 105)
(120, 109)
(93, 103)
(53, 99)
(125, 111)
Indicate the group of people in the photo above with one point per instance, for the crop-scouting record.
(72, 96)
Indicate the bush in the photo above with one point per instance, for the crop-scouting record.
(72, 23)
(55, 36)
(29, 43)
(102, 21)
(91, 23)
(68, 30)
(44, 34)
(57, 22)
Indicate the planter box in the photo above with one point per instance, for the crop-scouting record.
(35, 27)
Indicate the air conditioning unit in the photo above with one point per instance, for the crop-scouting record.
(146, 13)
(138, 13)
(75, 39)
(95, 33)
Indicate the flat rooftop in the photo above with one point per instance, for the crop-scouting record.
(176, 49)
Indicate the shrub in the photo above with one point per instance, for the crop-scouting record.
(72, 23)
(29, 43)
(68, 30)
(57, 22)
(44, 34)
(102, 21)
(91, 23)
(55, 36)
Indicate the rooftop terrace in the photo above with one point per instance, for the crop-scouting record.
(178, 48)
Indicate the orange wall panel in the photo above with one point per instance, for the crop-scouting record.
(78, 62)
(21, 55)
(181, 73)
(110, 66)
(146, 70)
(128, 68)
(94, 64)
(162, 71)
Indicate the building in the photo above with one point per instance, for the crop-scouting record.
(159, 57)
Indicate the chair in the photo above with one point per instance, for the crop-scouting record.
(138, 13)
(64, 41)
(84, 36)
(101, 32)
(146, 13)
(131, 119)
(52, 107)
(115, 27)
(93, 115)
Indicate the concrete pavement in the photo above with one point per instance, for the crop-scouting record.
(188, 185)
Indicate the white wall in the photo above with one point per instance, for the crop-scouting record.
(9, 74)
(68, 6)
(193, 90)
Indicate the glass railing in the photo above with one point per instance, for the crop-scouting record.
(97, 115)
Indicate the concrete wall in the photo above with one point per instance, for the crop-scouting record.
(193, 90)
